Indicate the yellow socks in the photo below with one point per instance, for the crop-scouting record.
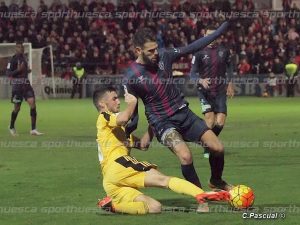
(184, 187)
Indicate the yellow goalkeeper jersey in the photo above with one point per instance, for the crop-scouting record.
(111, 139)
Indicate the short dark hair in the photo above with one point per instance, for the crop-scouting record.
(142, 36)
(99, 93)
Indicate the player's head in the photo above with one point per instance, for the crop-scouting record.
(19, 48)
(78, 65)
(106, 99)
(209, 30)
(146, 47)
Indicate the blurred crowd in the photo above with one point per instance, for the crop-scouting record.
(104, 46)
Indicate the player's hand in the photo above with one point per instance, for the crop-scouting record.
(204, 82)
(130, 99)
(230, 90)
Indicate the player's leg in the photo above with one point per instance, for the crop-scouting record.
(74, 87)
(199, 132)
(142, 204)
(209, 115)
(175, 142)
(154, 178)
(33, 114)
(126, 199)
(16, 99)
(121, 182)
(216, 160)
(220, 108)
(219, 123)
(80, 89)
(210, 119)
(13, 118)
(151, 204)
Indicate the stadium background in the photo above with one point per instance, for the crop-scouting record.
(55, 178)
(260, 46)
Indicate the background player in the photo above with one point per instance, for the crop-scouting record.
(167, 112)
(123, 174)
(210, 66)
(17, 70)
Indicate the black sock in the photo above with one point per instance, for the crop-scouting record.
(13, 119)
(217, 129)
(33, 118)
(189, 173)
(216, 161)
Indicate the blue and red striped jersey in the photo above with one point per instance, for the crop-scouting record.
(212, 62)
(155, 87)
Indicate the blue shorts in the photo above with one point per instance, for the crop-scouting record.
(185, 122)
(213, 103)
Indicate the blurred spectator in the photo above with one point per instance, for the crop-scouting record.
(78, 79)
(291, 72)
(105, 46)
(271, 84)
(243, 67)
(278, 66)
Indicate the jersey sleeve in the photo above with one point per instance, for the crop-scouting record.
(175, 53)
(10, 72)
(110, 119)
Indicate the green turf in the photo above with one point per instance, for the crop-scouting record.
(55, 179)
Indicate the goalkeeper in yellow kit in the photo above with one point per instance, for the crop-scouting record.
(122, 174)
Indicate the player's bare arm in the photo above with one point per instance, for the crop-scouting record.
(124, 116)
(230, 90)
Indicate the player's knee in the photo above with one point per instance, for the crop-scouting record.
(220, 120)
(220, 123)
(210, 120)
(32, 105)
(210, 123)
(164, 181)
(218, 148)
(185, 157)
(154, 206)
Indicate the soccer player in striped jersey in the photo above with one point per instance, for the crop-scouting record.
(122, 174)
(210, 66)
(18, 70)
(167, 112)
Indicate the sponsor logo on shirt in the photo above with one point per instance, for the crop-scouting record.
(221, 53)
(141, 78)
(205, 57)
(177, 50)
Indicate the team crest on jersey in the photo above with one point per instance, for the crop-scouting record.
(205, 57)
(141, 78)
(161, 65)
(177, 50)
(221, 53)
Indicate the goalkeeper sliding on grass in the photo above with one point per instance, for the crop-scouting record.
(123, 175)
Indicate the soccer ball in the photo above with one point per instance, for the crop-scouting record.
(241, 197)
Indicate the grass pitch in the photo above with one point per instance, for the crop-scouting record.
(55, 179)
